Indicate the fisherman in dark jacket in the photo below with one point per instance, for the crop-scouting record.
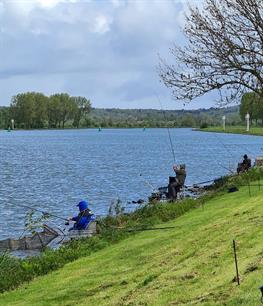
(245, 165)
(83, 219)
(175, 186)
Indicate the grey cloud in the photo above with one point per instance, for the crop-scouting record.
(105, 50)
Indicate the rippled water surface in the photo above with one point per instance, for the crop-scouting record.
(53, 170)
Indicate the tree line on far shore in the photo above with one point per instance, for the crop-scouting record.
(34, 110)
(129, 118)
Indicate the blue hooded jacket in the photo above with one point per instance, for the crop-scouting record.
(84, 217)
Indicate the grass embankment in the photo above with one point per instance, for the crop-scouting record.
(112, 229)
(234, 130)
(188, 265)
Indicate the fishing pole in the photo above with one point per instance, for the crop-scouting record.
(149, 229)
(148, 183)
(227, 149)
(212, 152)
(43, 212)
(244, 146)
(226, 168)
(144, 229)
(200, 183)
(169, 134)
(222, 143)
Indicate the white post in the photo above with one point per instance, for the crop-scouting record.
(224, 122)
(12, 124)
(247, 118)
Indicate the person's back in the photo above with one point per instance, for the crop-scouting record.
(245, 165)
(246, 162)
(180, 175)
(84, 217)
(174, 187)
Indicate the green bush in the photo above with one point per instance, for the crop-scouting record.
(203, 125)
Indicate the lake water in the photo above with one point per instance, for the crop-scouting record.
(53, 170)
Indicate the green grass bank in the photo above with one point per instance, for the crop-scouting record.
(191, 264)
(258, 131)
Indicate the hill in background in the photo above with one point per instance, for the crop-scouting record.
(114, 117)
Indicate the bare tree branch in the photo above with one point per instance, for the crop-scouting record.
(224, 51)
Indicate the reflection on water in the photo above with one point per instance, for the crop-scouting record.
(53, 170)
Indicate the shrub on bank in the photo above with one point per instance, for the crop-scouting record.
(204, 125)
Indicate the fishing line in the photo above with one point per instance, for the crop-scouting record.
(43, 212)
(148, 183)
(218, 163)
(226, 148)
(171, 143)
(169, 134)
(221, 142)
(237, 145)
(244, 146)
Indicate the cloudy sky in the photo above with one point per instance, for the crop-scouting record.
(105, 50)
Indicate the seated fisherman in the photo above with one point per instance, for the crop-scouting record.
(174, 187)
(245, 165)
(83, 219)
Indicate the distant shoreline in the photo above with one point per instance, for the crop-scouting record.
(241, 130)
(101, 128)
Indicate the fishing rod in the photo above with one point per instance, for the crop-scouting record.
(144, 229)
(43, 212)
(150, 229)
(169, 134)
(200, 183)
(228, 169)
(213, 154)
(244, 146)
(222, 143)
(227, 149)
(148, 183)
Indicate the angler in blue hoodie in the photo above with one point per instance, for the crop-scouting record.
(83, 219)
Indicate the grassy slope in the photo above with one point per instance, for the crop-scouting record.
(235, 129)
(191, 264)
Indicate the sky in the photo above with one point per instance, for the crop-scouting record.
(105, 50)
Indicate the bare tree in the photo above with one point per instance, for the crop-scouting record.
(224, 52)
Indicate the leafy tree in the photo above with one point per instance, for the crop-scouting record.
(53, 111)
(61, 108)
(188, 121)
(223, 52)
(246, 105)
(22, 109)
(83, 107)
(29, 110)
(66, 109)
(41, 103)
(251, 103)
(5, 117)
